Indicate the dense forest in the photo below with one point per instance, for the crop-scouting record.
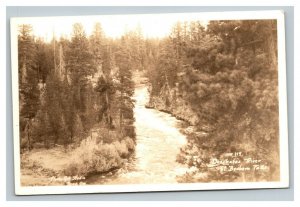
(74, 89)
(220, 78)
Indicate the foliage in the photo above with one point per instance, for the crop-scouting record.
(94, 157)
(67, 87)
(227, 74)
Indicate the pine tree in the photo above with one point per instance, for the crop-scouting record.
(97, 45)
(80, 64)
(125, 88)
(44, 59)
(28, 81)
(53, 105)
(28, 76)
(233, 76)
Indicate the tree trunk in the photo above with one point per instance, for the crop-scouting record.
(28, 135)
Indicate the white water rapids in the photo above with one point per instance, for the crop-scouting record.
(158, 142)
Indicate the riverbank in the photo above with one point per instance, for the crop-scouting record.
(194, 132)
(39, 165)
(178, 108)
(60, 166)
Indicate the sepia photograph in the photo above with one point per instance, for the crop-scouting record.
(149, 102)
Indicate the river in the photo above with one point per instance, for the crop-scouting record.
(158, 142)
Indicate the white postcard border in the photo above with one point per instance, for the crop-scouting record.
(284, 166)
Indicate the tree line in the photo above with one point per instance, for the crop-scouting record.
(67, 86)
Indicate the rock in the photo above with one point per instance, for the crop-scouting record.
(201, 134)
(189, 130)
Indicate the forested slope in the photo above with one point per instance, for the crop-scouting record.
(222, 79)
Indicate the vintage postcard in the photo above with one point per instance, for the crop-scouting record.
(149, 102)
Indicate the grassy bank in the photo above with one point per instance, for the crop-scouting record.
(60, 166)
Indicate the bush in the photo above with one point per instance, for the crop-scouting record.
(121, 148)
(95, 157)
(129, 143)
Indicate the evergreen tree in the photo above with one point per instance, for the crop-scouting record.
(125, 88)
(44, 59)
(28, 75)
(97, 45)
(80, 64)
(28, 81)
(224, 91)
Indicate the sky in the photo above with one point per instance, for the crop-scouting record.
(152, 25)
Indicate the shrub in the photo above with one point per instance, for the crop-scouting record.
(121, 148)
(129, 143)
(95, 157)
